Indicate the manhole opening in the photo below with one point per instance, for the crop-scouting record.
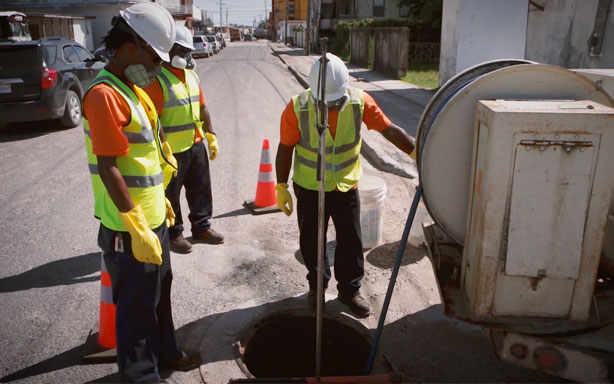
(284, 346)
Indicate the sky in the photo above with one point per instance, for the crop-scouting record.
(239, 11)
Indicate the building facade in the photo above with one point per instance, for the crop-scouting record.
(98, 13)
(567, 33)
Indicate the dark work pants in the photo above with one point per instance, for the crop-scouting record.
(193, 174)
(142, 294)
(344, 208)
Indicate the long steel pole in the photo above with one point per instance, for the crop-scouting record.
(393, 278)
(322, 126)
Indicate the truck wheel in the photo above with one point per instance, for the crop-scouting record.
(72, 110)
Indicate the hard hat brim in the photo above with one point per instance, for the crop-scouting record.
(163, 55)
(188, 46)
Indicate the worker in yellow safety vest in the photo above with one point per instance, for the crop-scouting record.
(129, 163)
(179, 100)
(348, 108)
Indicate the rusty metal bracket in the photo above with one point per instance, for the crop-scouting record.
(595, 41)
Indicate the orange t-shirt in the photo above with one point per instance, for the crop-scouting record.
(156, 94)
(107, 114)
(373, 117)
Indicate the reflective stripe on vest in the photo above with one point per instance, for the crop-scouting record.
(181, 109)
(140, 168)
(343, 169)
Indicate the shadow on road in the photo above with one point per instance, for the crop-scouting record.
(28, 130)
(63, 360)
(72, 270)
(384, 255)
(236, 212)
(330, 253)
(425, 346)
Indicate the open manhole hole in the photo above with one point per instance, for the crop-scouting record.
(285, 346)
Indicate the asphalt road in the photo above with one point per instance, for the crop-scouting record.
(49, 264)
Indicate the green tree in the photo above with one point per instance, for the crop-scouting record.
(426, 16)
(262, 24)
(425, 12)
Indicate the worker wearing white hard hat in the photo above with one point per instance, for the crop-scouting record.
(179, 100)
(128, 160)
(349, 107)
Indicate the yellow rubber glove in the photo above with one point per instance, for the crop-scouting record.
(213, 147)
(146, 246)
(413, 154)
(284, 199)
(170, 214)
(169, 166)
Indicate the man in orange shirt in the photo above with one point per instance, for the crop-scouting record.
(179, 100)
(348, 108)
(127, 160)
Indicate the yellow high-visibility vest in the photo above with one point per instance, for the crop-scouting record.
(140, 168)
(181, 109)
(343, 169)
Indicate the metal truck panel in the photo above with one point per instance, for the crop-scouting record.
(445, 153)
(541, 189)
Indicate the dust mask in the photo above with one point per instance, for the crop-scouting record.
(138, 75)
(179, 62)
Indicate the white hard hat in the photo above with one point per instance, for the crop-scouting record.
(183, 37)
(337, 77)
(154, 24)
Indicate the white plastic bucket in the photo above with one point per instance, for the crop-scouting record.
(372, 190)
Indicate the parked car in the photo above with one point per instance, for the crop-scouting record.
(221, 40)
(201, 47)
(45, 79)
(213, 41)
(247, 37)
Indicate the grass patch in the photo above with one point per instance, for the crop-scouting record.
(425, 75)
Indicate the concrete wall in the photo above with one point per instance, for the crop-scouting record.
(474, 31)
(83, 33)
(559, 34)
(391, 51)
(359, 46)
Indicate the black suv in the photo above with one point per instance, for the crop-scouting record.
(44, 79)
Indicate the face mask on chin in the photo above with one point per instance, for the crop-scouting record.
(179, 62)
(338, 104)
(139, 75)
(191, 62)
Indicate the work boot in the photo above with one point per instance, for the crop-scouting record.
(184, 362)
(312, 299)
(358, 304)
(209, 236)
(180, 245)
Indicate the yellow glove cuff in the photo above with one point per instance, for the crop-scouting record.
(134, 220)
(413, 154)
(210, 137)
(281, 187)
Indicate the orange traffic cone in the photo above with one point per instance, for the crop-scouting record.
(266, 197)
(100, 343)
(106, 324)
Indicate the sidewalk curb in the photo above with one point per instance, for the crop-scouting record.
(299, 78)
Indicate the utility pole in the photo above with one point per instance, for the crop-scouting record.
(221, 29)
(287, 9)
(226, 16)
(276, 24)
(308, 37)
